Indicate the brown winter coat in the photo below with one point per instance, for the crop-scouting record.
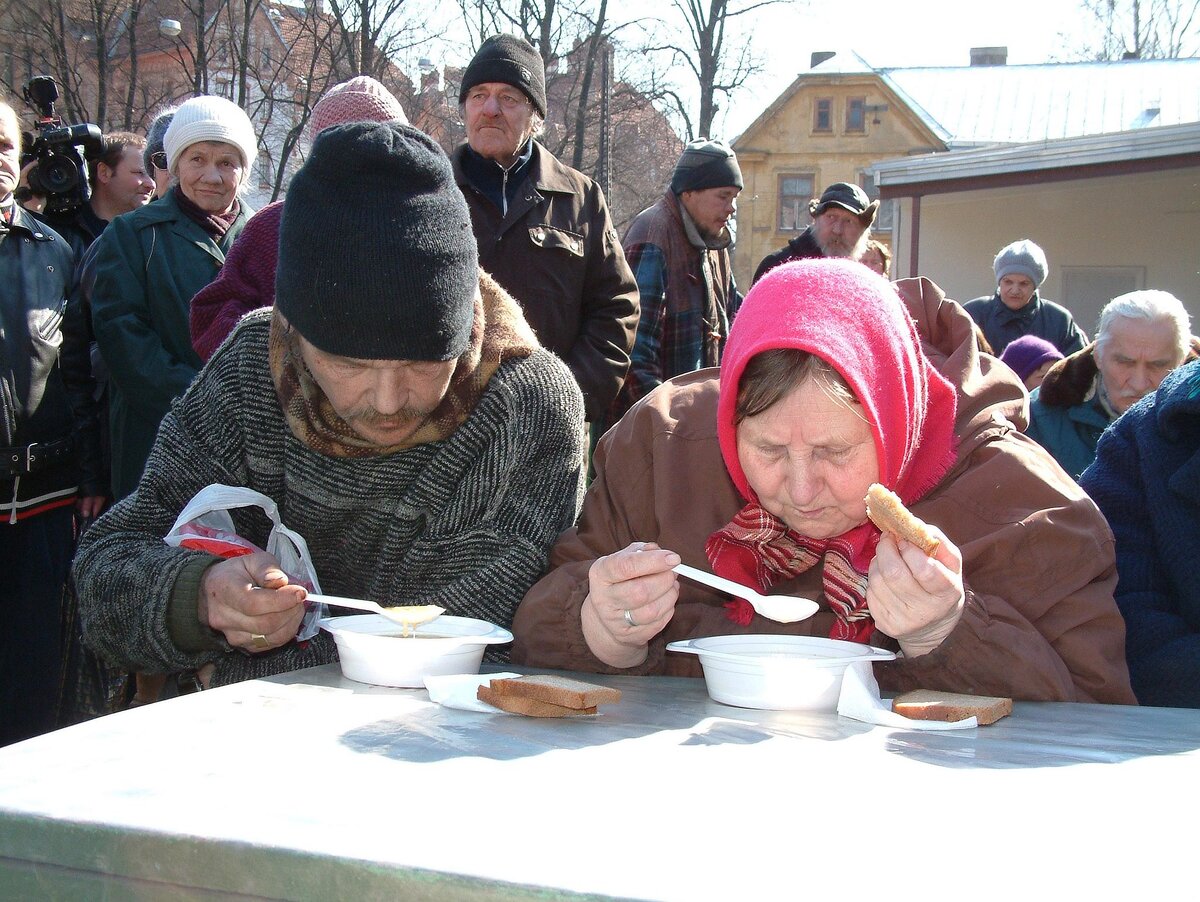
(1038, 560)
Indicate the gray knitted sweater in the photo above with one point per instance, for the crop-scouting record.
(466, 522)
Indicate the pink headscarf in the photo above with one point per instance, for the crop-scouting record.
(848, 316)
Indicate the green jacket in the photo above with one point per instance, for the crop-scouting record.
(149, 264)
(1068, 433)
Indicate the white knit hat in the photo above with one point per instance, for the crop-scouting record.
(211, 118)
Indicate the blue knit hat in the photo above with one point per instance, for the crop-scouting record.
(154, 138)
(1022, 258)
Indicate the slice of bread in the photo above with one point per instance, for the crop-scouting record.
(888, 512)
(557, 690)
(528, 706)
(930, 704)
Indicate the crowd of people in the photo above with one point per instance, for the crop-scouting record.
(407, 355)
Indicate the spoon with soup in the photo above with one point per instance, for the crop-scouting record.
(409, 616)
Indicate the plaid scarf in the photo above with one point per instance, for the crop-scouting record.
(499, 333)
(757, 549)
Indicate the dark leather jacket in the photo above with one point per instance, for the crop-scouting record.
(38, 392)
(803, 247)
(557, 253)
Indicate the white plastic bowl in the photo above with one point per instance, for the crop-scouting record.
(371, 649)
(778, 673)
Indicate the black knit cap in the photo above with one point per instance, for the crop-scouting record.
(706, 164)
(510, 60)
(377, 258)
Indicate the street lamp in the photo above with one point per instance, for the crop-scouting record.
(169, 28)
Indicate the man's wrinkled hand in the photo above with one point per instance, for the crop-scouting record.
(250, 601)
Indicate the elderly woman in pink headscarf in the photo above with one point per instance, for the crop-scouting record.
(830, 382)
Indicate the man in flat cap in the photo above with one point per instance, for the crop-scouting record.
(543, 229)
(841, 227)
(395, 406)
(679, 251)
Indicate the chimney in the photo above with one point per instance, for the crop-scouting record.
(989, 56)
(819, 57)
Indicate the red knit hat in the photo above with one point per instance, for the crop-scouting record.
(854, 320)
(361, 99)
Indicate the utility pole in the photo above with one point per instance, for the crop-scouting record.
(604, 163)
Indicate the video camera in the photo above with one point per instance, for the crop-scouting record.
(61, 173)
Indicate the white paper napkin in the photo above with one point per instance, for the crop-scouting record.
(860, 700)
(457, 690)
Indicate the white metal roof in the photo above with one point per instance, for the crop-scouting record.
(1135, 144)
(989, 104)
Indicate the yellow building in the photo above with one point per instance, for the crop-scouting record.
(840, 118)
(830, 125)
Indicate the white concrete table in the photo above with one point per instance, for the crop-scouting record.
(309, 786)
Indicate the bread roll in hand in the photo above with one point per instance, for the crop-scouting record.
(888, 512)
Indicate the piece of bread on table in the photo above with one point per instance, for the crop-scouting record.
(530, 707)
(888, 512)
(557, 690)
(930, 704)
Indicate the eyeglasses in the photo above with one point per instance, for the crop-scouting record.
(159, 160)
(509, 102)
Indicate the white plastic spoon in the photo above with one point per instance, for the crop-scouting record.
(780, 608)
(406, 615)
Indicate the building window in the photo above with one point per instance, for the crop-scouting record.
(795, 191)
(856, 114)
(887, 208)
(823, 115)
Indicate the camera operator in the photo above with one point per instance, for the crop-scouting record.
(38, 475)
(119, 184)
(26, 197)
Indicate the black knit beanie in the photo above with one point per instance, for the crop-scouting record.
(377, 258)
(510, 60)
(706, 164)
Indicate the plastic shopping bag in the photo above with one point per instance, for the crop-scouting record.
(205, 525)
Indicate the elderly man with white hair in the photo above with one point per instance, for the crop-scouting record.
(1142, 336)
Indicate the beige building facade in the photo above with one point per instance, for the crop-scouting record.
(1114, 213)
(826, 128)
(967, 159)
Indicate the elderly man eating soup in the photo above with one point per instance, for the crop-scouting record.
(832, 382)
